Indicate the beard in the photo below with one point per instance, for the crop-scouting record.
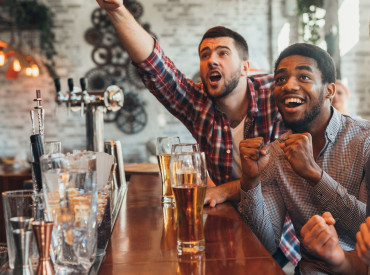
(230, 85)
(302, 125)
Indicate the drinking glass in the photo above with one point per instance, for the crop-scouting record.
(52, 147)
(189, 184)
(168, 239)
(21, 207)
(163, 148)
(69, 183)
(184, 147)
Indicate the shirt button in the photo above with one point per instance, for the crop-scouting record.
(225, 127)
(228, 151)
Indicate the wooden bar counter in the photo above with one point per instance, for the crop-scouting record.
(143, 240)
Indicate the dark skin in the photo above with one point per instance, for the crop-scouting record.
(297, 79)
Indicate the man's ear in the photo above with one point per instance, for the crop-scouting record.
(245, 68)
(330, 91)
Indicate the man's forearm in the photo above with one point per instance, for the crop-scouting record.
(137, 42)
(232, 190)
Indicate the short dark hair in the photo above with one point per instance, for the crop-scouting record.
(221, 31)
(324, 60)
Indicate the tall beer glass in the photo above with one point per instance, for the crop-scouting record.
(189, 184)
(163, 147)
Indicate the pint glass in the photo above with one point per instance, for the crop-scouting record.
(163, 148)
(189, 184)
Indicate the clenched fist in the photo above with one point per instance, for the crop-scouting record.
(254, 157)
(298, 151)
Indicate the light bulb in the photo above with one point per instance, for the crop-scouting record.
(16, 65)
(35, 70)
(28, 71)
(2, 58)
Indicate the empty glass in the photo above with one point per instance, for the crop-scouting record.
(69, 184)
(21, 207)
(52, 147)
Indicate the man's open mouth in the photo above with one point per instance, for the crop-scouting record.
(293, 102)
(215, 76)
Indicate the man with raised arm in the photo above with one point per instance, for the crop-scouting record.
(225, 108)
(316, 167)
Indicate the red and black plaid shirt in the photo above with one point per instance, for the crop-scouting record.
(187, 101)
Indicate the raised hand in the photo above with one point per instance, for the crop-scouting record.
(110, 5)
(254, 157)
(298, 151)
(363, 242)
(320, 239)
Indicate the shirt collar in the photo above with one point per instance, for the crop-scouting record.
(253, 110)
(334, 125)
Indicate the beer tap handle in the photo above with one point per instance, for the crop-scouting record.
(57, 85)
(70, 88)
(83, 83)
(70, 84)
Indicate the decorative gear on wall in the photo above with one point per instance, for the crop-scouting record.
(93, 36)
(100, 19)
(132, 117)
(102, 55)
(134, 77)
(135, 8)
(98, 79)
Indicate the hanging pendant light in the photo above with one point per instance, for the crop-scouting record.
(2, 57)
(16, 65)
(35, 70)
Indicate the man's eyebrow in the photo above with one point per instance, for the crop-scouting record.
(303, 67)
(299, 68)
(217, 48)
(281, 71)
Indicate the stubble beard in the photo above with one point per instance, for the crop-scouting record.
(302, 125)
(229, 86)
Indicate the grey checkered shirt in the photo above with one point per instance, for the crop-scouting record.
(341, 191)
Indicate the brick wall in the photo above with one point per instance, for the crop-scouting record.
(179, 25)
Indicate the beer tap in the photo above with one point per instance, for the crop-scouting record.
(93, 103)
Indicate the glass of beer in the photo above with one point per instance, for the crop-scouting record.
(163, 148)
(189, 184)
(185, 147)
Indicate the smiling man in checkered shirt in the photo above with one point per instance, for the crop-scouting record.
(225, 108)
(317, 167)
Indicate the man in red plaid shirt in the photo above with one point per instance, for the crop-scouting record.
(225, 108)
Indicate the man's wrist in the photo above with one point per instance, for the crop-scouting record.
(247, 183)
(315, 177)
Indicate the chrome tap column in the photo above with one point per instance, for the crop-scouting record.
(93, 103)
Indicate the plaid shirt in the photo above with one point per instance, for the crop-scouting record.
(341, 190)
(187, 101)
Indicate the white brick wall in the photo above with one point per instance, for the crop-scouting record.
(179, 26)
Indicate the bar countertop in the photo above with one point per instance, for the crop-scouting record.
(143, 240)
